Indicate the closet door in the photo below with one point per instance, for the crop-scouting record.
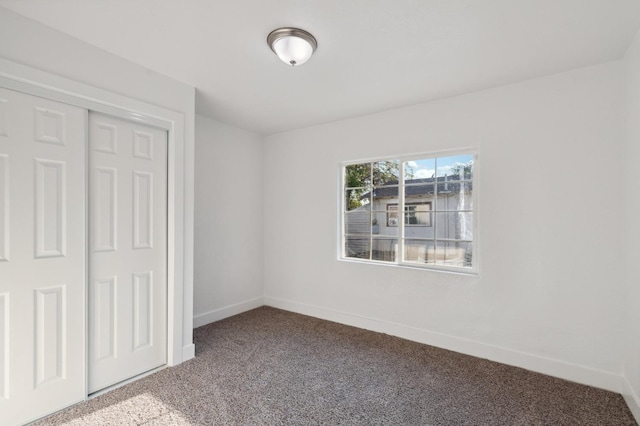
(128, 250)
(42, 256)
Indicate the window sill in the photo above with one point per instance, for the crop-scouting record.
(431, 268)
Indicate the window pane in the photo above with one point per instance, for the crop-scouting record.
(417, 214)
(416, 250)
(383, 195)
(380, 225)
(357, 198)
(418, 193)
(454, 226)
(455, 167)
(357, 247)
(357, 175)
(384, 249)
(447, 186)
(385, 173)
(414, 231)
(357, 222)
(458, 197)
(419, 169)
(450, 254)
(455, 200)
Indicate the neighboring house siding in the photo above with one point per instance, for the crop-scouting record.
(368, 226)
(454, 223)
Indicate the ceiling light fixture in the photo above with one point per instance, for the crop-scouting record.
(292, 45)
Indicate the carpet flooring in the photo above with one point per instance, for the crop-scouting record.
(271, 367)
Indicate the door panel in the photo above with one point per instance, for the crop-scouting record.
(128, 249)
(42, 256)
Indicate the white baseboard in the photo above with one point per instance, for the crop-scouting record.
(632, 399)
(227, 311)
(188, 352)
(548, 366)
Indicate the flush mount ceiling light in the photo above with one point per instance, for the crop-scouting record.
(292, 45)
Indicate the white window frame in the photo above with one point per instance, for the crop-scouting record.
(400, 262)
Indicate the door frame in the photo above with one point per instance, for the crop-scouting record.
(39, 83)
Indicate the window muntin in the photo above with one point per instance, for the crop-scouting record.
(436, 198)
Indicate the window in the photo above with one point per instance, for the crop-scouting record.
(435, 197)
(416, 214)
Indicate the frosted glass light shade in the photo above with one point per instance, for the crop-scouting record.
(292, 45)
(293, 50)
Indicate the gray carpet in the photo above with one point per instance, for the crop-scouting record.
(271, 367)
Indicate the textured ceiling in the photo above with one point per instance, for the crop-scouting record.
(372, 55)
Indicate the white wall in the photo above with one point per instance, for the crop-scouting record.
(29, 43)
(632, 232)
(228, 221)
(549, 295)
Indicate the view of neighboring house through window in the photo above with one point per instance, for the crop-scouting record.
(413, 211)
(417, 214)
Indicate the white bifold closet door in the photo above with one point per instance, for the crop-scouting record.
(42, 256)
(127, 250)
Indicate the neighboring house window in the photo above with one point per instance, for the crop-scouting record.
(392, 215)
(435, 197)
(416, 214)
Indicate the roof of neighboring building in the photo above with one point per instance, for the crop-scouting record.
(418, 187)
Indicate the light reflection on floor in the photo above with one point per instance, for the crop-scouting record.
(139, 409)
